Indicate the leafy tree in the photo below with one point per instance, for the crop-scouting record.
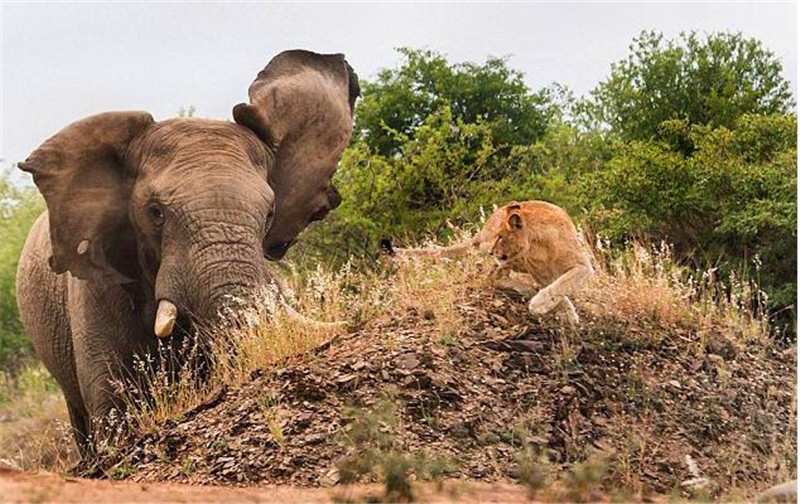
(19, 207)
(401, 99)
(450, 171)
(710, 80)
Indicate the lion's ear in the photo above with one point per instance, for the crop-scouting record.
(514, 221)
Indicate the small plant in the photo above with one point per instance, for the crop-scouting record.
(395, 472)
(120, 471)
(276, 429)
(448, 338)
(515, 436)
(433, 468)
(221, 443)
(268, 400)
(585, 479)
(188, 467)
(532, 470)
(373, 451)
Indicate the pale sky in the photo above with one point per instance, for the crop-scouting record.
(64, 61)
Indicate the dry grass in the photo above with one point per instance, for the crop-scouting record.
(644, 284)
(34, 425)
(254, 337)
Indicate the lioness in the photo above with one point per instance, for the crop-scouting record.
(535, 238)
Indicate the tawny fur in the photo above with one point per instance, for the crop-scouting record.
(534, 238)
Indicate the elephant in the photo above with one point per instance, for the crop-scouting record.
(150, 226)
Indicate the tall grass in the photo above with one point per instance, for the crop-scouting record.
(260, 334)
(34, 426)
(644, 283)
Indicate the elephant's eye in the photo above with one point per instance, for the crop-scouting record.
(156, 214)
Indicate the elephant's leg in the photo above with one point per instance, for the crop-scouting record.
(81, 430)
(106, 410)
(42, 297)
(108, 335)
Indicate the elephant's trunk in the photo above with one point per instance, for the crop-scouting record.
(212, 252)
(202, 285)
(227, 276)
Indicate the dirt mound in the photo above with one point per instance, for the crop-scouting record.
(664, 409)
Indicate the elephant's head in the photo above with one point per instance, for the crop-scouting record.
(185, 210)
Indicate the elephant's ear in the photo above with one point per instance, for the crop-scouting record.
(301, 94)
(81, 174)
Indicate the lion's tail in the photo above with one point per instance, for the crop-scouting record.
(456, 249)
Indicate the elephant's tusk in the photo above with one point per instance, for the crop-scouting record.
(165, 318)
(83, 246)
(297, 317)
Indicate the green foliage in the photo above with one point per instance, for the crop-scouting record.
(19, 207)
(532, 469)
(584, 480)
(732, 199)
(449, 169)
(27, 388)
(710, 80)
(401, 100)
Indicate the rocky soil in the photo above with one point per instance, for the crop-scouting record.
(667, 410)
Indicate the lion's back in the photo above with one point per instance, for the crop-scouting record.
(536, 215)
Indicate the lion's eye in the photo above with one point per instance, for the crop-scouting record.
(156, 214)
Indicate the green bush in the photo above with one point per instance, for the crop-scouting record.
(19, 207)
(732, 202)
(401, 100)
(448, 170)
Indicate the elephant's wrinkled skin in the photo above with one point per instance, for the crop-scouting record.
(184, 211)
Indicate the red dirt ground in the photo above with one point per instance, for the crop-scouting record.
(17, 487)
